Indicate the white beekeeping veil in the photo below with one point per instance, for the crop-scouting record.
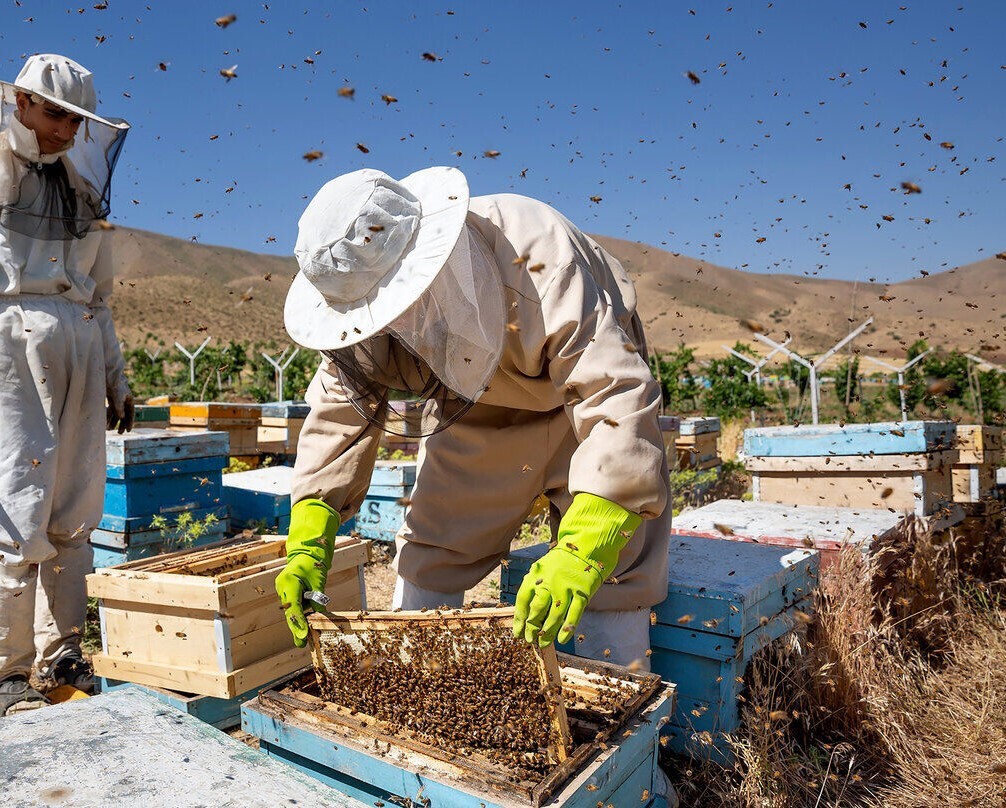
(56, 196)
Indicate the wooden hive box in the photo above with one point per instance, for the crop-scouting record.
(208, 621)
(153, 416)
(127, 749)
(669, 431)
(153, 473)
(980, 453)
(900, 466)
(725, 602)
(259, 499)
(383, 510)
(239, 421)
(613, 762)
(824, 529)
(698, 443)
(280, 425)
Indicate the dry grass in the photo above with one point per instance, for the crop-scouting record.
(731, 438)
(892, 696)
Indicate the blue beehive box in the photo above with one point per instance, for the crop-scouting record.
(259, 499)
(383, 510)
(725, 602)
(285, 409)
(155, 473)
(824, 440)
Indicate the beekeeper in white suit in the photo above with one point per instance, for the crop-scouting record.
(520, 334)
(59, 361)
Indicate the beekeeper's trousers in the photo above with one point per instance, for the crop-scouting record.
(52, 472)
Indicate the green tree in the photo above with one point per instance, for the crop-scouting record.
(731, 394)
(673, 371)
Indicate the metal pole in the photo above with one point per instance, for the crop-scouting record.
(280, 368)
(813, 392)
(901, 390)
(192, 359)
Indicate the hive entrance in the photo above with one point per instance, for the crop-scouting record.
(456, 680)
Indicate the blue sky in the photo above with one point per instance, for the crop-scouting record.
(795, 100)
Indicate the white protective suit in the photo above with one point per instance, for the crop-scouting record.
(59, 358)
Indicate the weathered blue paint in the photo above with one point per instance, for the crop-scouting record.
(394, 472)
(852, 439)
(163, 445)
(168, 493)
(699, 426)
(379, 518)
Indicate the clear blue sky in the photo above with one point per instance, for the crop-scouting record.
(796, 99)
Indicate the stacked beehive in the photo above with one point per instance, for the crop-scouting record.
(980, 453)
(155, 473)
(383, 511)
(208, 621)
(280, 425)
(901, 466)
(670, 430)
(725, 602)
(405, 420)
(239, 421)
(698, 444)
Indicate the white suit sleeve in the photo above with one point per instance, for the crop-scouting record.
(611, 397)
(337, 448)
(116, 386)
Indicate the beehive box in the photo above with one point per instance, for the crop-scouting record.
(615, 716)
(259, 499)
(239, 421)
(158, 473)
(208, 621)
(280, 425)
(669, 431)
(127, 749)
(383, 510)
(726, 601)
(901, 466)
(824, 529)
(980, 452)
(153, 416)
(698, 442)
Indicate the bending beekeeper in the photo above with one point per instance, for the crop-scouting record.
(519, 332)
(60, 359)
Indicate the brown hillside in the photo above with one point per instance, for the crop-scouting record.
(183, 291)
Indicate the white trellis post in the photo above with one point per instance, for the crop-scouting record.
(192, 358)
(818, 362)
(901, 376)
(756, 367)
(280, 368)
(153, 356)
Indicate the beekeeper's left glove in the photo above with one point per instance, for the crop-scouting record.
(309, 549)
(555, 592)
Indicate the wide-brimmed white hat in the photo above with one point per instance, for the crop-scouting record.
(368, 246)
(61, 81)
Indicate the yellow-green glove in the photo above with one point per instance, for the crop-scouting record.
(557, 589)
(309, 548)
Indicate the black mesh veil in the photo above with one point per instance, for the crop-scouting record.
(395, 389)
(60, 199)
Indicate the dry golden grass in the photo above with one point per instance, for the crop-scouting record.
(731, 438)
(893, 696)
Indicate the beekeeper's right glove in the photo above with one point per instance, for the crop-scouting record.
(309, 549)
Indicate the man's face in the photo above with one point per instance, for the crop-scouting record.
(54, 127)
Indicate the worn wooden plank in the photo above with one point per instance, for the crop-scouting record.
(119, 539)
(127, 748)
(162, 445)
(169, 590)
(851, 439)
(105, 556)
(872, 463)
(394, 472)
(548, 669)
(196, 489)
(699, 425)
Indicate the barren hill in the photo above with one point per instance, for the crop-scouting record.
(181, 290)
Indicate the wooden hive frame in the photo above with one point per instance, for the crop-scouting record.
(587, 686)
(208, 621)
(351, 623)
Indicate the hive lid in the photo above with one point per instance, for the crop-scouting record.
(884, 438)
(145, 445)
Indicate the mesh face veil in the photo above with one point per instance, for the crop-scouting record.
(59, 196)
(443, 349)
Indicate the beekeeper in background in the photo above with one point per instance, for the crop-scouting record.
(59, 361)
(519, 332)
